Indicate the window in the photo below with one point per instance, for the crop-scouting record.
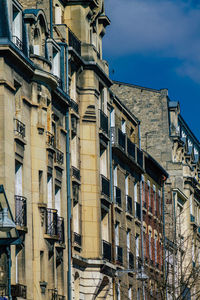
(123, 126)
(17, 26)
(154, 197)
(149, 194)
(49, 191)
(128, 244)
(137, 245)
(159, 199)
(117, 234)
(57, 200)
(118, 291)
(155, 248)
(150, 250)
(18, 178)
(56, 62)
(112, 118)
(58, 14)
(130, 292)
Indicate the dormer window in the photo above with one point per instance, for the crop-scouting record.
(17, 26)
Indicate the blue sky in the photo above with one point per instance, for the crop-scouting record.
(156, 43)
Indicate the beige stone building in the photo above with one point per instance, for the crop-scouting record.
(167, 137)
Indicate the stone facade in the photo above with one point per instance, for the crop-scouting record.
(167, 137)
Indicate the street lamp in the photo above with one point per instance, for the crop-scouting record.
(8, 233)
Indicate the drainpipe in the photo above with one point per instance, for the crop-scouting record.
(69, 217)
(164, 240)
(51, 18)
(69, 286)
(9, 272)
(141, 217)
(111, 197)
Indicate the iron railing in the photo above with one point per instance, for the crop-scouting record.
(59, 157)
(20, 128)
(106, 250)
(60, 230)
(131, 260)
(131, 148)
(17, 42)
(137, 210)
(53, 295)
(51, 222)
(20, 211)
(76, 173)
(122, 139)
(18, 290)
(50, 139)
(129, 205)
(74, 42)
(105, 186)
(119, 255)
(77, 239)
(117, 195)
(103, 121)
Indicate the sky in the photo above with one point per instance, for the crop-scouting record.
(156, 44)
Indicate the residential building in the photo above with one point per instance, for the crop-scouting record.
(168, 138)
(34, 103)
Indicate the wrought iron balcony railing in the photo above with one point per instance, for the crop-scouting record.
(129, 205)
(53, 295)
(60, 230)
(20, 211)
(59, 157)
(103, 121)
(106, 250)
(137, 211)
(20, 128)
(51, 222)
(117, 195)
(77, 239)
(50, 139)
(76, 173)
(121, 139)
(18, 290)
(119, 255)
(131, 260)
(74, 42)
(17, 42)
(105, 186)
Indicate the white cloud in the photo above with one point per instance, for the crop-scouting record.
(156, 27)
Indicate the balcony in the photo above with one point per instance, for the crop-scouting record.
(119, 255)
(105, 186)
(18, 290)
(59, 157)
(53, 295)
(131, 260)
(77, 239)
(117, 195)
(50, 139)
(129, 205)
(76, 174)
(74, 42)
(19, 128)
(107, 251)
(60, 230)
(51, 222)
(18, 43)
(137, 211)
(20, 211)
(127, 150)
(103, 122)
